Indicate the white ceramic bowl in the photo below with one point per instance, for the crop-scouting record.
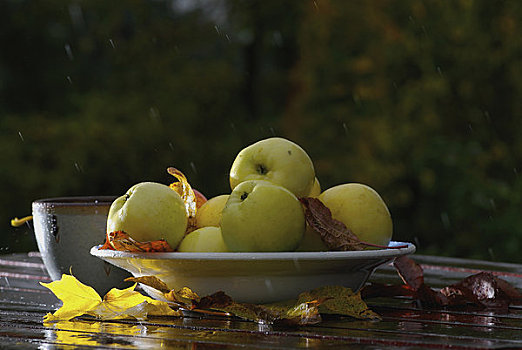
(66, 228)
(254, 277)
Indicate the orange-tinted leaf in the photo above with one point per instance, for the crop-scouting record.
(185, 296)
(120, 240)
(183, 188)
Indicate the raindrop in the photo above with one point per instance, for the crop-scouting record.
(315, 5)
(7, 282)
(515, 170)
(217, 29)
(269, 287)
(395, 85)
(193, 166)
(412, 20)
(272, 131)
(76, 14)
(228, 38)
(417, 241)
(171, 146)
(21, 136)
(278, 38)
(487, 116)
(356, 98)
(78, 167)
(439, 70)
(493, 204)
(112, 43)
(69, 79)
(445, 220)
(345, 128)
(154, 114)
(491, 254)
(297, 265)
(68, 51)
(470, 127)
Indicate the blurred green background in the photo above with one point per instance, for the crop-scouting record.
(421, 100)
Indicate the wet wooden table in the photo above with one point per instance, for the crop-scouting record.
(23, 303)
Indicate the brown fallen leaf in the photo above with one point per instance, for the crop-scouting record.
(333, 232)
(340, 301)
(306, 309)
(410, 272)
(482, 289)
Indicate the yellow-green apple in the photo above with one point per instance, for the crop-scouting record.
(316, 189)
(277, 160)
(205, 239)
(311, 242)
(261, 216)
(362, 210)
(209, 214)
(149, 211)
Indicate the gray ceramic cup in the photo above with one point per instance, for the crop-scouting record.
(66, 229)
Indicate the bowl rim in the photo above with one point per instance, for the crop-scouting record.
(75, 201)
(269, 256)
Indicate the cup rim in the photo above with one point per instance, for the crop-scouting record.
(76, 201)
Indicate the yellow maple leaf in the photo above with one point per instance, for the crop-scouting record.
(79, 299)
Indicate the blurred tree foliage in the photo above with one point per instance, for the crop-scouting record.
(419, 99)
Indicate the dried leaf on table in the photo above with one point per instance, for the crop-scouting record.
(151, 281)
(482, 289)
(306, 309)
(341, 301)
(185, 296)
(79, 299)
(410, 272)
(287, 314)
(120, 240)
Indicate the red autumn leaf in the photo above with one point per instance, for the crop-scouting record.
(120, 240)
(482, 289)
(410, 272)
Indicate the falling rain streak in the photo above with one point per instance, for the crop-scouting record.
(21, 136)
(68, 51)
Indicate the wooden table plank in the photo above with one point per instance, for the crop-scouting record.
(24, 302)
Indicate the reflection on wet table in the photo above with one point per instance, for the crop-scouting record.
(24, 302)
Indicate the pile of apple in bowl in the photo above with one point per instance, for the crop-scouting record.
(274, 236)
